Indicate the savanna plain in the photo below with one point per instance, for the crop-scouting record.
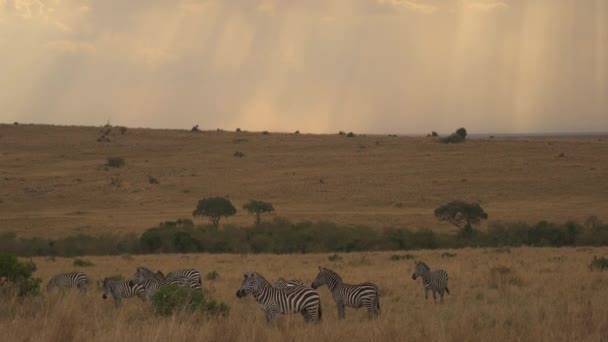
(55, 183)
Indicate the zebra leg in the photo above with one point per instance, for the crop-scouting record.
(341, 313)
(435, 296)
(269, 316)
(426, 293)
(116, 302)
(441, 294)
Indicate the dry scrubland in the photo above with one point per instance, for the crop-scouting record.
(53, 180)
(549, 295)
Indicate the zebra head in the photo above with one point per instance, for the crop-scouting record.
(324, 277)
(249, 284)
(421, 268)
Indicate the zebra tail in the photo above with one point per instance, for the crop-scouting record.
(320, 312)
(447, 290)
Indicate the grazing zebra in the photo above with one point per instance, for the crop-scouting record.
(78, 280)
(354, 296)
(193, 276)
(122, 289)
(436, 280)
(288, 284)
(273, 300)
(152, 281)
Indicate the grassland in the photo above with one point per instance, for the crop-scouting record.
(54, 180)
(548, 294)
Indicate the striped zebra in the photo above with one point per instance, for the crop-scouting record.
(284, 301)
(152, 281)
(288, 284)
(436, 280)
(193, 276)
(78, 280)
(122, 289)
(354, 296)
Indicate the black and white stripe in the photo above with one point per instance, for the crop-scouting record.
(152, 281)
(193, 276)
(77, 280)
(120, 289)
(354, 296)
(288, 284)
(437, 281)
(283, 301)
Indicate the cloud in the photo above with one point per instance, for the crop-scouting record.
(487, 5)
(413, 5)
(68, 46)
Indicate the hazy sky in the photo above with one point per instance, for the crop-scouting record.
(376, 66)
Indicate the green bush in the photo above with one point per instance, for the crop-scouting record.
(452, 139)
(171, 299)
(447, 255)
(214, 208)
(599, 263)
(18, 275)
(334, 257)
(213, 275)
(82, 263)
(396, 257)
(115, 161)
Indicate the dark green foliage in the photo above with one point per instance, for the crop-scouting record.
(214, 208)
(238, 154)
(461, 132)
(334, 257)
(396, 257)
(82, 263)
(258, 208)
(18, 276)
(350, 135)
(599, 263)
(462, 215)
(152, 180)
(115, 162)
(456, 137)
(447, 255)
(123, 130)
(171, 299)
(213, 275)
(434, 134)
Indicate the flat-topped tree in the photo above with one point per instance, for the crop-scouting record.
(257, 208)
(462, 215)
(214, 208)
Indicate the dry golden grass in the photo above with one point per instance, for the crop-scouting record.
(54, 181)
(550, 295)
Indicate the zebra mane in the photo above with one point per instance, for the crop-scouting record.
(258, 276)
(422, 264)
(331, 272)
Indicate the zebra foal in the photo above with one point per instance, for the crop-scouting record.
(283, 301)
(437, 281)
(120, 289)
(354, 296)
(77, 280)
(152, 281)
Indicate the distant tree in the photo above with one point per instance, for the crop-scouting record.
(462, 132)
(257, 208)
(214, 208)
(462, 215)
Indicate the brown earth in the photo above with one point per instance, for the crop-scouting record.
(54, 181)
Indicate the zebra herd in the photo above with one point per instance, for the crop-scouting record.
(282, 297)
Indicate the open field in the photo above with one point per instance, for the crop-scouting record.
(54, 182)
(549, 295)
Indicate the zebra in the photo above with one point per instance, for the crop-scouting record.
(78, 280)
(273, 300)
(193, 276)
(288, 284)
(122, 289)
(436, 280)
(354, 296)
(152, 281)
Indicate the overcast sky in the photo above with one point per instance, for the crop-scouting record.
(375, 66)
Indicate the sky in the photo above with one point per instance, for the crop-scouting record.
(318, 66)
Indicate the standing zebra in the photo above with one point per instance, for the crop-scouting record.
(78, 280)
(122, 289)
(193, 276)
(284, 301)
(152, 281)
(436, 280)
(354, 296)
(288, 284)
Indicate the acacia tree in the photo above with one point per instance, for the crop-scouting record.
(462, 215)
(257, 208)
(214, 208)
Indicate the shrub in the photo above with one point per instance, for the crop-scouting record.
(195, 129)
(265, 133)
(214, 208)
(461, 132)
(152, 180)
(396, 257)
(334, 257)
(123, 130)
(238, 154)
(434, 134)
(213, 275)
(258, 208)
(350, 135)
(171, 299)
(296, 132)
(599, 263)
(341, 133)
(462, 215)
(18, 275)
(447, 255)
(452, 139)
(238, 130)
(82, 263)
(115, 162)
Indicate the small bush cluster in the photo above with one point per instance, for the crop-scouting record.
(599, 263)
(238, 154)
(334, 257)
(171, 299)
(82, 263)
(447, 255)
(115, 162)
(397, 257)
(17, 277)
(213, 275)
(456, 137)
